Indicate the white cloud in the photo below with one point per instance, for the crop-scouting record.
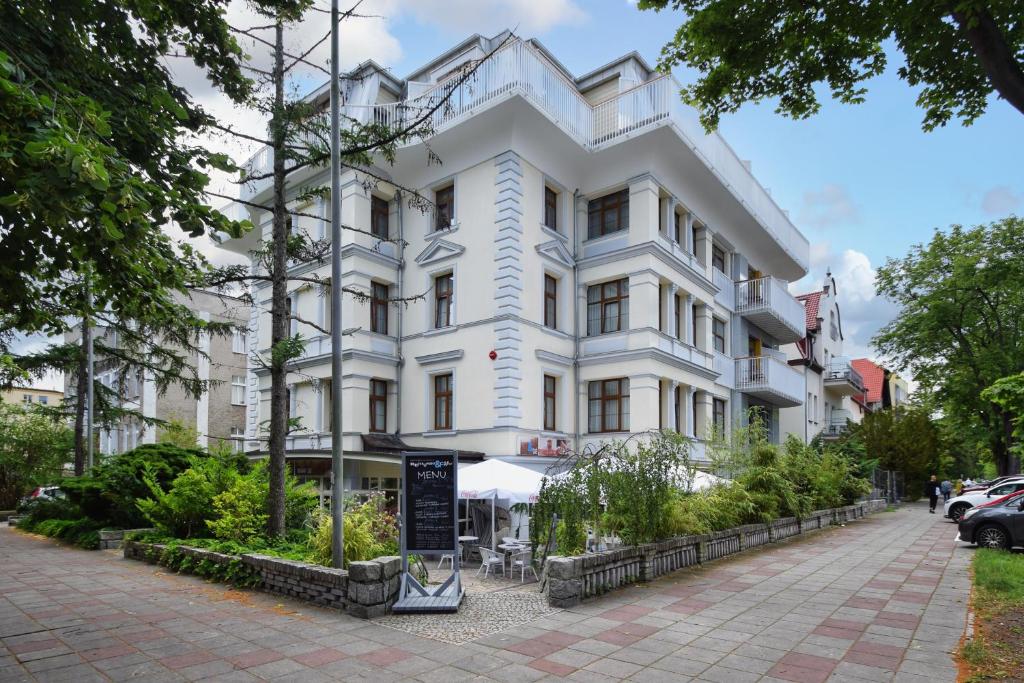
(1001, 200)
(828, 207)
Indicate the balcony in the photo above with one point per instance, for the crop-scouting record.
(841, 378)
(770, 379)
(838, 425)
(520, 69)
(766, 302)
(726, 296)
(617, 346)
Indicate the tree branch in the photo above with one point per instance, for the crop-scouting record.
(993, 53)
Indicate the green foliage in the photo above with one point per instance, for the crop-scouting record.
(33, 450)
(177, 433)
(240, 511)
(108, 494)
(370, 532)
(792, 53)
(959, 329)
(821, 478)
(190, 503)
(571, 539)
(765, 480)
(904, 439)
(81, 532)
(1008, 394)
(713, 509)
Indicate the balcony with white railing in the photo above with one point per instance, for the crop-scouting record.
(842, 378)
(770, 379)
(767, 303)
(521, 69)
(838, 424)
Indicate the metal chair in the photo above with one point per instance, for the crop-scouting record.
(450, 557)
(488, 559)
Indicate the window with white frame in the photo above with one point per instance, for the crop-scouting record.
(237, 341)
(43, 400)
(238, 390)
(550, 208)
(444, 291)
(26, 398)
(237, 439)
(443, 401)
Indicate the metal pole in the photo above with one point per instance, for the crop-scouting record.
(90, 371)
(337, 450)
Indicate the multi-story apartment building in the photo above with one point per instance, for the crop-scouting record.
(216, 416)
(595, 266)
(30, 396)
(831, 382)
(883, 388)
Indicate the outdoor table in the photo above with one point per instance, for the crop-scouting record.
(513, 548)
(464, 540)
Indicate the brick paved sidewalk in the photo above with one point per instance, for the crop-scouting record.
(881, 599)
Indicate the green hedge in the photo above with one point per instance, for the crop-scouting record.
(81, 532)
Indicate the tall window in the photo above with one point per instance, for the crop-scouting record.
(443, 300)
(718, 258)
(550, 396)
(718, 415)
(327, 407)
(678, 227)
(26, 398)
(608, 307)
(693, 326)
(608, 405)
(44, 400)
(444, 201)
(443, 401)
(678, 303)
(694, 230)
(718, 334)
(238, 341)
(550, 208)
(237, 390)
(379, 307)
(379, 217)
(237, 443)
(680, 410)
(378, 405)
(608, 214)
(550, 302)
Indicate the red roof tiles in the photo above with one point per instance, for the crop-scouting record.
(873, 376)
(811, 303)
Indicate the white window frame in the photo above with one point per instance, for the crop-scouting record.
(238, 341)
(237, 387)
(428, 426)
(453, 318)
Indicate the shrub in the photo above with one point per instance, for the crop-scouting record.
(714, 509)
(240, 512)
(370, 532)
(186, 508)
(770, 490)
(81, 532)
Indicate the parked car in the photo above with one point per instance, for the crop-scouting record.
(998, 524)
(985, 485)
(39, 495)
(956, 507)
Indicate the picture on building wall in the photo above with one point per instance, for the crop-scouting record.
(537, 446)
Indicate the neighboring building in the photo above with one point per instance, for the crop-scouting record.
(831, 381)
(217, 415)
(30, 396)
(882, 387)
(597, 266)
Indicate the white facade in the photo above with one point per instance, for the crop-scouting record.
(531, 157)
(832, 385)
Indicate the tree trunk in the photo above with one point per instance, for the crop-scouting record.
(82, 387)
(278, 309)
(994, 55)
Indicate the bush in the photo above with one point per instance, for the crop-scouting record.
(81, 532)
(714, 509)
(770, 490)
(109, 492)
(187, 507)
(240, 512)
(370, 532)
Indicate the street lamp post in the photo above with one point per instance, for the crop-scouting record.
(337, 449)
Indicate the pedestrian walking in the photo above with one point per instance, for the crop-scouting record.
(947, 488)
(932, 489)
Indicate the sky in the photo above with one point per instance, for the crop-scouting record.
(863, 182)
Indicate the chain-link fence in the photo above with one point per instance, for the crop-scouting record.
(888, 484)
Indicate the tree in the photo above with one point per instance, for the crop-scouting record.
(33, 450)
(959, 53)
(959, 328)
(1008, 394)
(906, 440)
(299, 138)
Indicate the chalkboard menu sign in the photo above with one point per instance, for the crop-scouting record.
(429, 508)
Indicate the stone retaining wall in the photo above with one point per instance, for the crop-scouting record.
(111, 539)
(573, 579)
(365, 590)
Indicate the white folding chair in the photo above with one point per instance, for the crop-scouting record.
(489, 559)
(450, 558)
(522, 561)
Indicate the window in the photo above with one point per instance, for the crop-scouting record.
(678, 229)
(680, 427)
(718, 415)
(694, 231)
(237, 444)
(43, 400)
(327, 405)
(26, 398)
(718, 334)
(237, 390)
(718, 258)
(443, 300)
(550, 302)
(378, 405)
(608, 214)
(679, 317)
(379, 307)
(608, 307)
(608, 405)
(444, 202)
(693, 327)
(550, 208)
(379, 217)
(550, 394)
(443, 401)
(238, 341)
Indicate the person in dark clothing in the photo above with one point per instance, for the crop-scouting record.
(932, 489)
(947, 489)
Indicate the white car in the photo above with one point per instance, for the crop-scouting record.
(956, 507)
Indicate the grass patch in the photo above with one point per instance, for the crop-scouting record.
(997, 650)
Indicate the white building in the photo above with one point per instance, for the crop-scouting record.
(832, 384)
(596, 266)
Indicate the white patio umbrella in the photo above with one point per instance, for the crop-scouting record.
(499, 480)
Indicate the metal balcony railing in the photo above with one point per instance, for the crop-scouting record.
(770, 379)
(842, 370)
(767, 302)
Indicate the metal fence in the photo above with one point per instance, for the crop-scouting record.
(887, 484)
